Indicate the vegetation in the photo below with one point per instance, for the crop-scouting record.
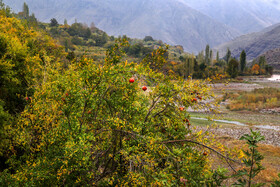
(69, 119)
(232, 68)
(242, 61)
(256, 100)
(252, 160)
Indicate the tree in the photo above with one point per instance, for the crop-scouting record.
(25, 10)
(148, 38)
(5, 10)
(262, 62)
(65, 22)
(207, 55)
(217, 57)
(53, 22)
(88, 125)
(92, 27)
(100, 40)
(87, 33)
(23, 53)
(243, 60)
(211, 57)
(232, 68)
(228, 56)
(200, 57)
(256, 69)
(269, 69)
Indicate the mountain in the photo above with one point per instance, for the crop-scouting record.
(254, 44)
(244, 15)
(272, 57)
(169, 20)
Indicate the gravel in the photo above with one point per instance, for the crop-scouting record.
(272, 137)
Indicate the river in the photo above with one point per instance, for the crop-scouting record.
(242, 124)
(274, 78)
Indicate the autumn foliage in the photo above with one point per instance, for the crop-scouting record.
(87, 124)
(93, 123)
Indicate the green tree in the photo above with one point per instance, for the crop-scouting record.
(200, 57)
(148, 38)
(217, 57)
(207, 55)
(228, 56)
(243, 60)
(53, 22)
(269, 69)
(262, 62)
(25, 11)
(65, 22)
(211, 57)
(232, 68)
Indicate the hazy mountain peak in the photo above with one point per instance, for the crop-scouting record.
(244, 15)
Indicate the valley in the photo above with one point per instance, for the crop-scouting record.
(103, 100)
(229, 125)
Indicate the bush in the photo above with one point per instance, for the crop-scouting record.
(90, 125)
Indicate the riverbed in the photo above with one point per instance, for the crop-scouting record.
(236, 123)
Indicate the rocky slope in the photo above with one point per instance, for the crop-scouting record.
(246, 16)
(254, 44)
(272, 57)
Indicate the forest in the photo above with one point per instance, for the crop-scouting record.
(81, 108)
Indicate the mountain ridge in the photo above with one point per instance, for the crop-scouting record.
(254, 44)
(245, 16)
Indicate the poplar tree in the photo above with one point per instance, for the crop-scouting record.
(207, 54)
(25, 10)
(228, 55)
(243, 60)
(211, 57)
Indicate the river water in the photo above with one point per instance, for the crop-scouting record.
(242, 124)
(274, 78)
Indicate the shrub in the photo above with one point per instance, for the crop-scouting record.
(256, 100)
(90, 125)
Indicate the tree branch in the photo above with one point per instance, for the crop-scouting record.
(191, 141)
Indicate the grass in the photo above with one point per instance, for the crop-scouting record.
(270, 162)
(271, 153)
(264, 98)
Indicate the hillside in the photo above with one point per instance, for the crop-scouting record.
(171, 21)
(272, 57)
(254, 44)
(245, 16)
